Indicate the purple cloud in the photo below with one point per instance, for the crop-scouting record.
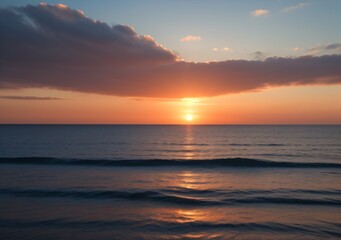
(29, 98)
(57, 47)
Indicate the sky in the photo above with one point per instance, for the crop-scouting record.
(170, 62)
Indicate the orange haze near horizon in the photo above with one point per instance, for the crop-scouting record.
(284, 105)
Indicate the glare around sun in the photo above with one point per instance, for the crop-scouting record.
(189, 117)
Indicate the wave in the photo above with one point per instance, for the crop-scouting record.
(184, 190)
(181, 144)
(163, 196)
(256, 144)
(226, 162)
(322, 230)
(224, 144)
(128, 195)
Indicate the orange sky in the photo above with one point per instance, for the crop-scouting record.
(282, 105)
(60, 65)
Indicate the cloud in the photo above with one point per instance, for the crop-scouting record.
(294, 7)
(325, 48)
(295, 49)
(190, 38)
(258, 55)
(225, 49)
(46, 34)
(29, 98)
(334, 46)
(315, 50)
(260, 12)
(57, 47)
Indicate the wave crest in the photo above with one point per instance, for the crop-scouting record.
(226, 162)
(161, 196)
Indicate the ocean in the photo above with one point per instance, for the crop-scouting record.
(170, 182)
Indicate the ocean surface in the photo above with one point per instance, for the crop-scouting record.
(170, 182)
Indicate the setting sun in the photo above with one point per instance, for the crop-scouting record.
(189, 117)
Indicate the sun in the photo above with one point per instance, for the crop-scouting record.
(189, 117)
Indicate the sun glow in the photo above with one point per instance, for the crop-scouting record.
(189, 117)
(190, 101)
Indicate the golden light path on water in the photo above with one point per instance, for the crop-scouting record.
(188, 146)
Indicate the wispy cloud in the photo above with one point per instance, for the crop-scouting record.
(294, 7)
(258, 55)
(190, 38)
(334, 48)
(260, 13)
(225, 49)
(29, 98)
(57, 47)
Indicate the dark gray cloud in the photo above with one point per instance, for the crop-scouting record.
(333, 46)
(322, 48)
(29, 98)
(55, 35)
(57, 47)
(258, 55)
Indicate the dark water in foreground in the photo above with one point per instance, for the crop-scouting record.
(170, 182)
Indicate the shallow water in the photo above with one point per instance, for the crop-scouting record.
(146, 182)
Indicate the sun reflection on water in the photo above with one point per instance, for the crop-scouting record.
(188, 143)
(189, 215)
(189, 184)
(188, 180)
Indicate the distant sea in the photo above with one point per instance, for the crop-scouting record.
(170, 182)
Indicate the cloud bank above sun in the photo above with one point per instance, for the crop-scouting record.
(54, 46)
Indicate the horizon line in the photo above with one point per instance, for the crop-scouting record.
(170, 124)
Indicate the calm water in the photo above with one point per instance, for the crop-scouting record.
(170, 182)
